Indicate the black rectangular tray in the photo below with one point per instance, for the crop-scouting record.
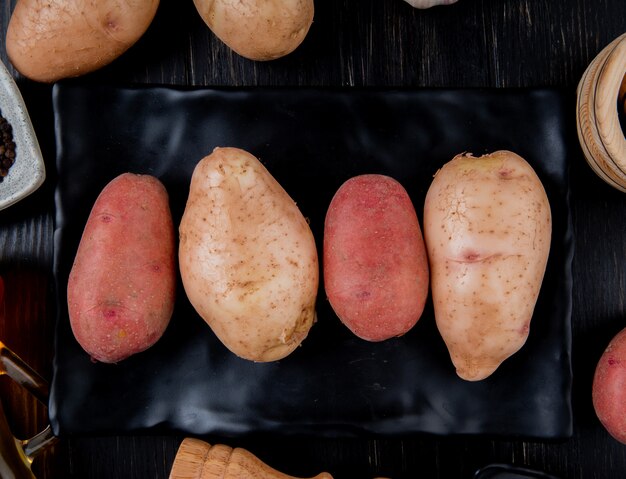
(311, 140)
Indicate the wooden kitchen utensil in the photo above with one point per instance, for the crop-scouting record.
(600, 95)
(197, 459)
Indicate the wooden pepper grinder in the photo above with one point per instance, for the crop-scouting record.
(197, 459)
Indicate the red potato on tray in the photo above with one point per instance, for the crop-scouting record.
(609, 388)
(121, 287)
(375, 264)
(488, 227)
(247, 257)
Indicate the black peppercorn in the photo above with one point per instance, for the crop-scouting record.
(7, 147)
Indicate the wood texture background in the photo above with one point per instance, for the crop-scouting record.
(360, 43)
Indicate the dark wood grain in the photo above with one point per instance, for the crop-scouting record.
(352, 43)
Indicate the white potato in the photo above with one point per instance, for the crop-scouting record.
(487, 227)
(258, 29)
(48, 40)
(247, 257)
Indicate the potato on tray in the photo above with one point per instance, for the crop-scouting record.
(608, 388)
(375, 265)
(121, 287)
(247, 256)
(488, 228)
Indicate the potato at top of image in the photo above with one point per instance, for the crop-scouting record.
(247, 255)
(375, 264)
(259, 30)
(48, 41)
(488, 228)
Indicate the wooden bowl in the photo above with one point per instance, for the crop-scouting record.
(600, 96)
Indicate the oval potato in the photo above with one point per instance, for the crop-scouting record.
(247, 257)
(375, 264)
(487, 226)
(609, 387)
(258, 29)
(121, 287)
(50, 40)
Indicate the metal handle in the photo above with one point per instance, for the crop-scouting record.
(16, 456)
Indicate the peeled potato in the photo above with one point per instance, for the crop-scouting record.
(258, 29)
(487, 227)
(50, 40)
(247, 257)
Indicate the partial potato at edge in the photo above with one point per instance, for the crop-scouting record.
(122, 284)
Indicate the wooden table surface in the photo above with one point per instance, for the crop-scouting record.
(352, 43)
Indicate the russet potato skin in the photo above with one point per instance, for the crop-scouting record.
(247, 257)
(609, 388)
(375, 264)
(122, 284)
(50, 40)
(488, 227)
(258, 29)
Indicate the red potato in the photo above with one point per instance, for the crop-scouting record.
(488, 227)
(121, 287)
(609, 388)
(375, 264)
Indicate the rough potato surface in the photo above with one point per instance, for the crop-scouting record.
(54, 39)
(375, 264)
(121, 287)
(487, 226)
(609, 388)
(258, 29)
(247, 257)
